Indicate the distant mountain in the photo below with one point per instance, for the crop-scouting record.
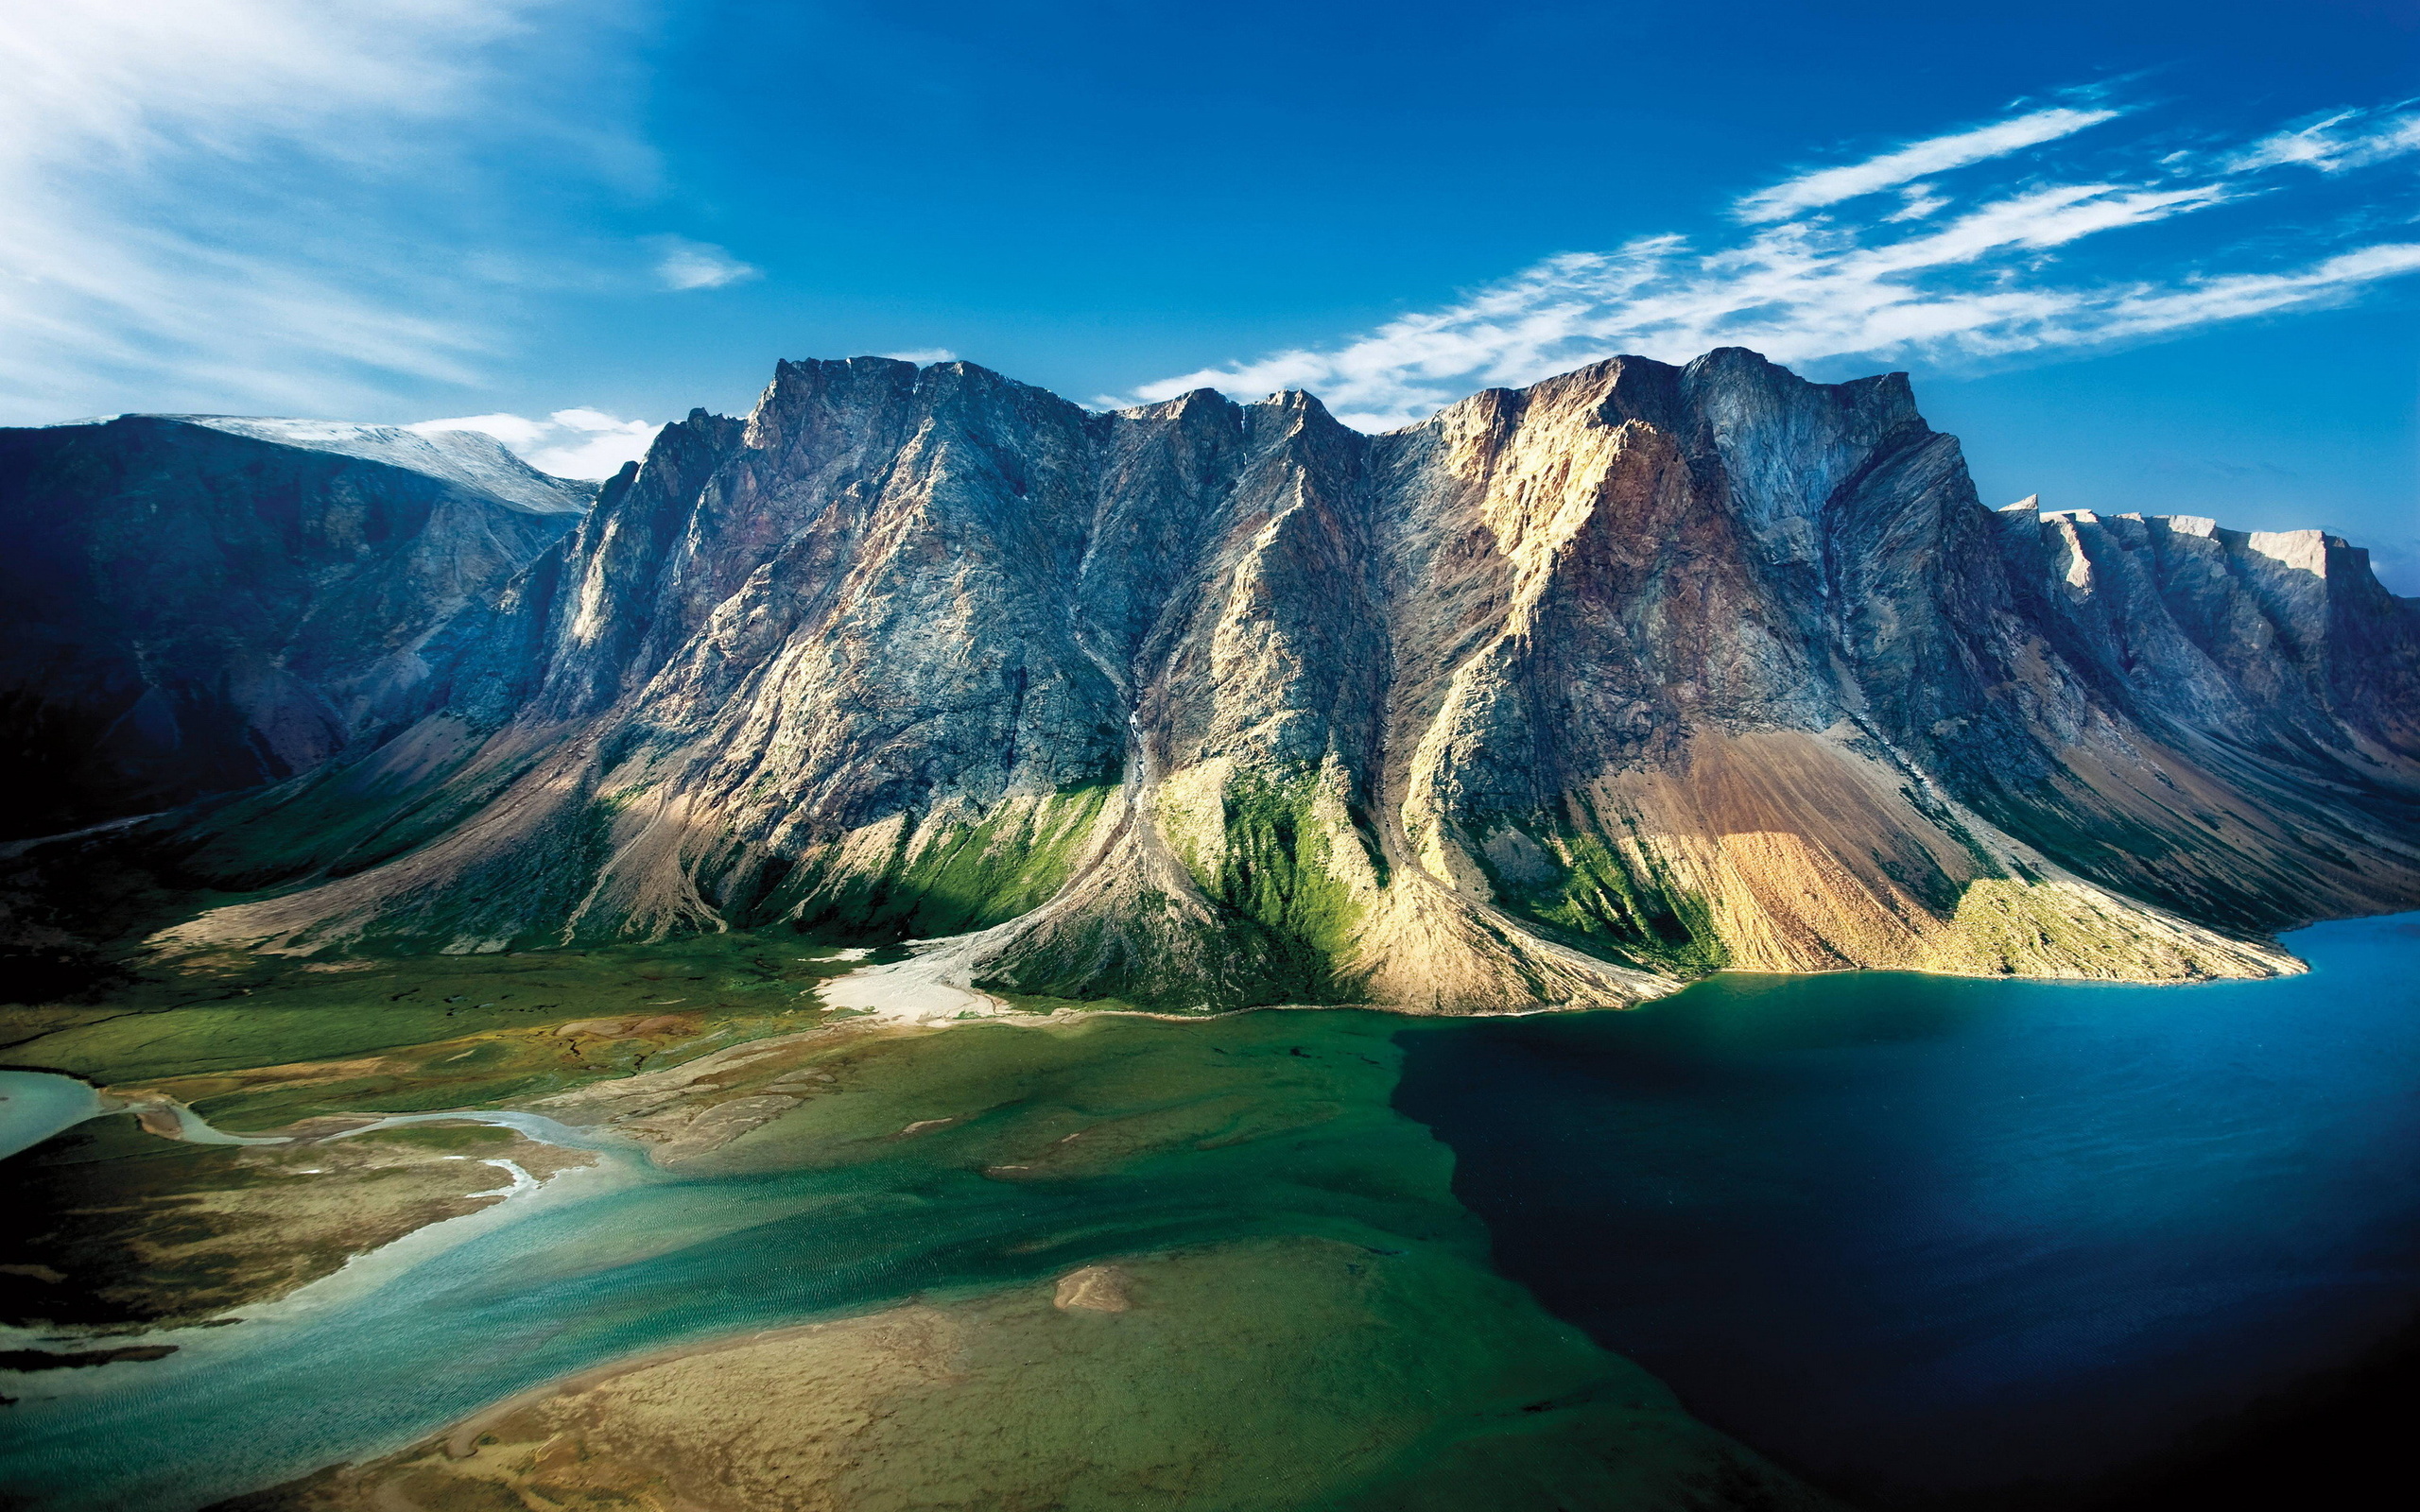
(1560, 697)
(201, 602)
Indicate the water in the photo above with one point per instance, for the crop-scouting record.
(35, 1104)
(1928, 1240)
(1195, 1133)
(195, 1129)
(1925, 1239)
(535, 1125)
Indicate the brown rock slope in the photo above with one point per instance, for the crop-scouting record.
(1560, 697)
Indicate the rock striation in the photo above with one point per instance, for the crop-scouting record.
(203, 603)
(1561, 696)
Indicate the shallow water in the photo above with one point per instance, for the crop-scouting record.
(1924, 1238)
(195, 1129)
(536, 1125)
(1916, 1235)
(1271, 1123)
(35, 1104)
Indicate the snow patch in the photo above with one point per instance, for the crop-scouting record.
(467, 457)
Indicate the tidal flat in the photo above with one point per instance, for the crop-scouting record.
(1877, 1232)
(1304, 1314)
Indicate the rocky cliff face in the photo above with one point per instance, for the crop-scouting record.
(199, 603)
(1560, 697)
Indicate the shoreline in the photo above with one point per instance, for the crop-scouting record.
(817, 1048)
(900, 1008)
(700, 1106)
(211, 1328)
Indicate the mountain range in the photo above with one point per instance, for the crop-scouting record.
(198, 604)
(1559, 698)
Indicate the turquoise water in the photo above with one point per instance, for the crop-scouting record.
(35, 1104)
(1922, 1237)
(648, 1258)
(1928, 1239)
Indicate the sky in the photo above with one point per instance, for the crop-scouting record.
(2139, 255)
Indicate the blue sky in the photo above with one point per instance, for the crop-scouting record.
(2138, 255)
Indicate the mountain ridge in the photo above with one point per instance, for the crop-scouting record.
(1562, 697)
(203, 603)
(1559, 697)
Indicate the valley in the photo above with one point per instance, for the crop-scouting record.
(928, 946)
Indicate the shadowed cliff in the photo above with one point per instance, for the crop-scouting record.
(202, 603)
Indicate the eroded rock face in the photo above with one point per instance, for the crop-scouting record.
(2259, 703)
(1560, 697)
(201, 603)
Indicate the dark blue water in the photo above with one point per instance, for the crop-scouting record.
(1945, 1243)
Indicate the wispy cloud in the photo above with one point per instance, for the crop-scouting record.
(684, 265)
(2348, 139)
(1984, 282)
(922, 354)
(108, 267)
(1917, 201)
(1917, 160)
(570, 444)
(203, 195)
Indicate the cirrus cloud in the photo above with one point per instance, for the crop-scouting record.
(684, 265)
(1918, 160)
(1806, 282)
(2348, 139)
(145, 147)
(569, 443)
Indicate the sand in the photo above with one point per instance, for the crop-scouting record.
(1261, 1375)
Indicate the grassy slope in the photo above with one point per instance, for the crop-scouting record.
(1279, 868)
(1597, 898)
(969, 877)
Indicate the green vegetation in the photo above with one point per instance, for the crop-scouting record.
(1151, 955)
(1589, 894)
(457, 1136)
(1282, 915)
(341, 819)
(1279, 869)
(420, 1033)
(1043, 1003)
(2006, 927)
(971, 877)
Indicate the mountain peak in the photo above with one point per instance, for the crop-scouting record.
(1563, 696)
